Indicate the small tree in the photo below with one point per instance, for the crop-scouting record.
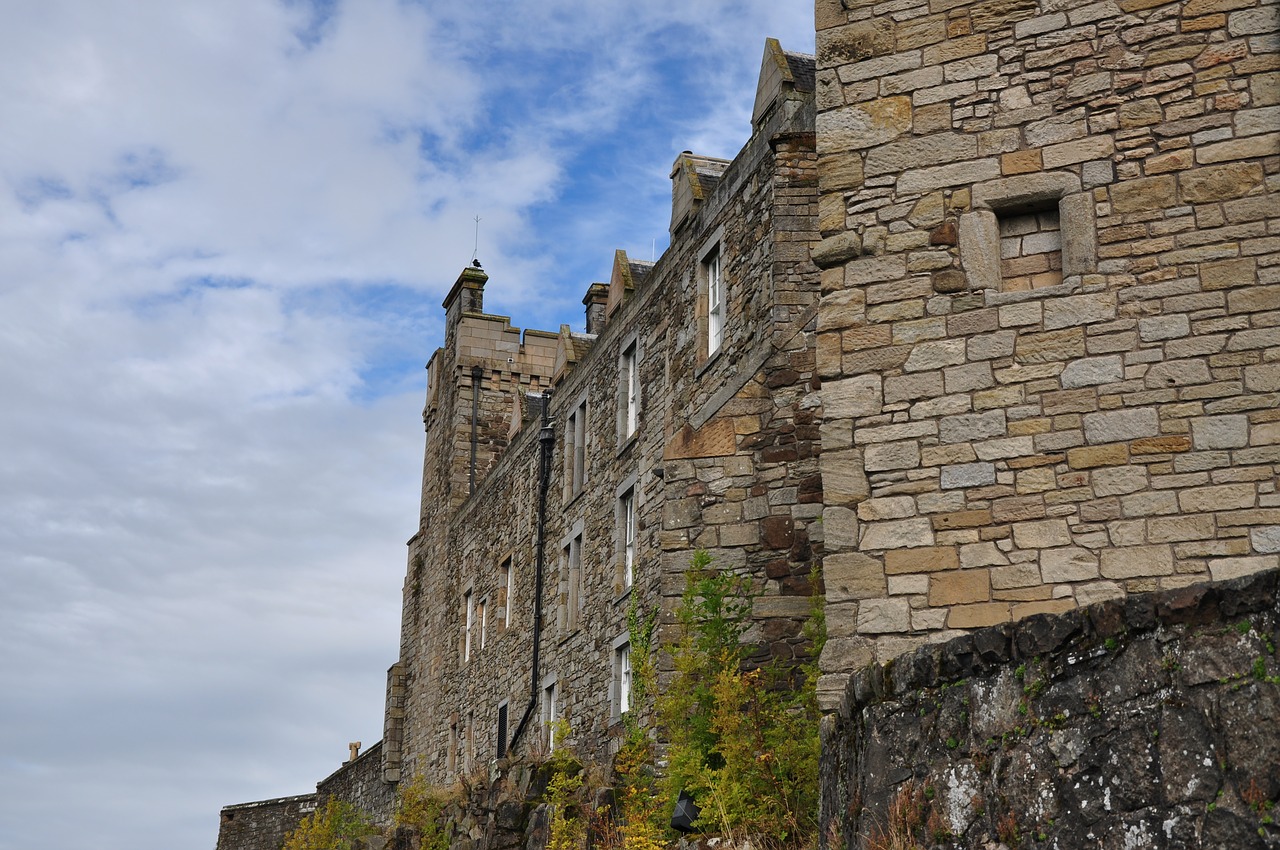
(334, 826)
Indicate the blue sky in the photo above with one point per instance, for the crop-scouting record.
(225, 232)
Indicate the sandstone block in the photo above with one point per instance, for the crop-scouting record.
(920, 180)
(1164, 327)
(1118, 480)
(1266, 539)
(851, 397)
(985, 554)
(978, 615)
(842, 654)
(1262, 378)
(897, 534)
(1050, 346)
(1120, 425)
(909, 585)
(887, 507)
(1079, 310)
(1047, 606)
(1041, 534)
(1068, 564)
(1222, 569)
(865, 124)
(1178, 373)
(837, 249)
(1014, 576)
(1147, 193)
(883, 616)
(1149, 503)
(1221, 497)
(896, 157)
(1070, 153)
(886, 456)
(909, 387)
(1179, 529)
(935, 355)
(1218, 183)
(852, 575)
(1228, 273)
(844, 479)
(1088, 457)
(991, 346)
(959, 587)
(1137, 561)
(928, 559)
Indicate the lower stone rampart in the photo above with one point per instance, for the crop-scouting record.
(262, 825)
(1146, 722)
(359, 783)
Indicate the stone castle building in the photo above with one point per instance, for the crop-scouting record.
(983, 322)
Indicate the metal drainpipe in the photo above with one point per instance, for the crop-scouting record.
(546, 442)
(477, 373)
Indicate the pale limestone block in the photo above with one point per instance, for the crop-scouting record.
(1024, 190)
(921, 180)
(864, 125)
(1250, 122)
(1121, 425)
(1093, 147)
(1262, 378)
(1118, 480)
(916, 585)
(993, 345)
(985, 554)
(1041, 534)
(887, 507)
(897, 534)
(1266, 434)
(968, 475)
(1039, 480)
(979, 237)
(1149, 503)
(846, 654)
(1092, 371)
(839, 528)
(1164, 327)
(935, 355)
(1220, 432)
(1068, 564)
(1079, 234)
(883, 456)
(972, 68)
(874, 270)
(970, 376)
(857, 396)
(852, 575)
(929, 619)
(968, 427)
(879, 616)
(1222, 569)
(1018, 575)
(1137, 561)
(938, 148)
(1177, 373)
(938, 94)
(935, 503)
(1097, 591)
(837, 249)
(881, 66)
(947, 405)
(1079, 310)
(1266, 539)
(842, 619)
(909, 81)
(1097, 173)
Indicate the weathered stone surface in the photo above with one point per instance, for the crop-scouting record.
(1091, 371)
(1119, 425)
(852, 575)
(860, 395)
(968, 475)
(898, 534)
(1135, 561)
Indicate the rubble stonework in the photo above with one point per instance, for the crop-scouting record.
(1049, 337)
(723, 457)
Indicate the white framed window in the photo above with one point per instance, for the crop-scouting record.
(575, 450)
(484, 620)
(715, 300)
(630, 389)
(550, 711)
(469, 618)
(622, 676)
(627, 521)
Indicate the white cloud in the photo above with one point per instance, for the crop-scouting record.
(225, 230)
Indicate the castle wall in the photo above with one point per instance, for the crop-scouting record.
(360, 783)
(1049, 337)
(723, 458)
(263, 825)
(1143, 722)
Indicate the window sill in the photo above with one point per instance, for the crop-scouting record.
(708, 362)
(625, 443)
(619, 598)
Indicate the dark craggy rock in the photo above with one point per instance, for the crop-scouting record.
(1152, 722)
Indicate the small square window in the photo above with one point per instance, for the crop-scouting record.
(1030, 250)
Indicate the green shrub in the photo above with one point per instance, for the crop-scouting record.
(334, 826)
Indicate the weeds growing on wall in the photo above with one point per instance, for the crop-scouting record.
(334, 826)
(743, 743)
(421, 807)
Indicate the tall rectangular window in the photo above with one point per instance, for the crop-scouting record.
(622, 677)
(502, 730)
(630, 378)
(549, 714)
(715, 300)
(575, 450)
(572, 560)
(484, 620)
(469, 615)
(507, 592)
(627, 512)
